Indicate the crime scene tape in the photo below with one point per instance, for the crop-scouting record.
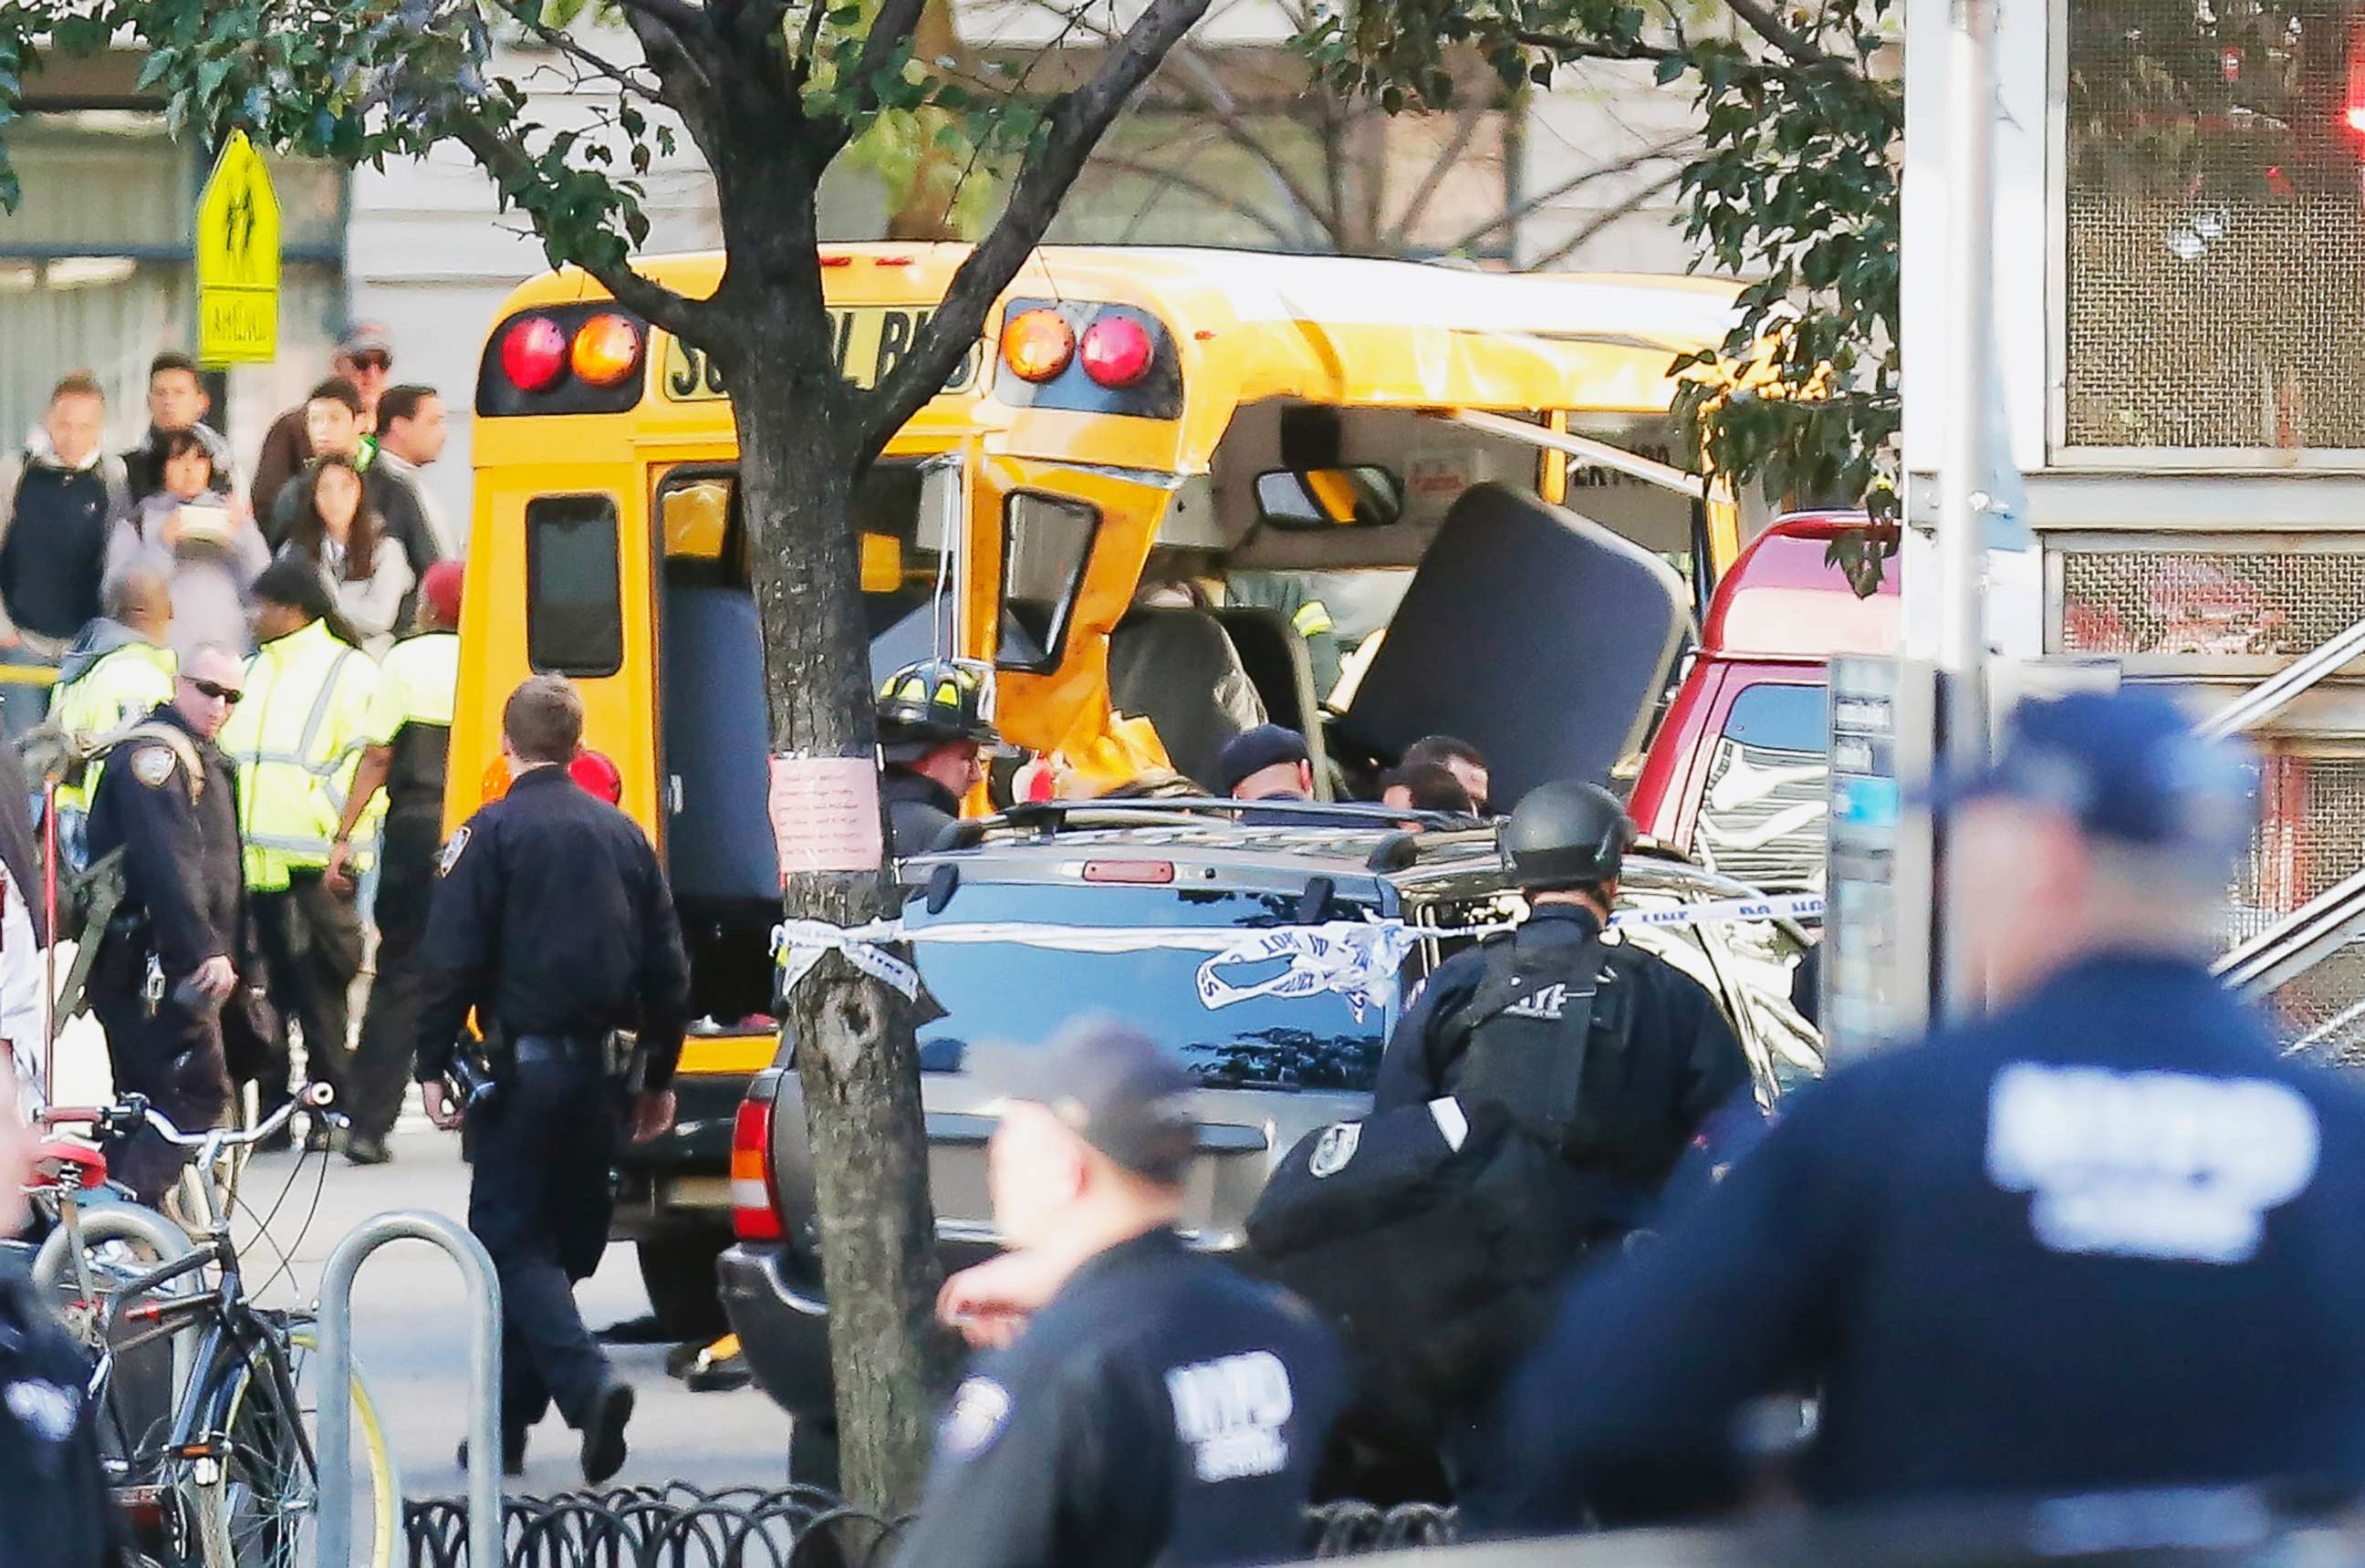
(1354, 958)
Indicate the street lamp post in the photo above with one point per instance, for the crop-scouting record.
(1964, 498)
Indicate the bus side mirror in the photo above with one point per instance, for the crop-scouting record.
(1313, 499)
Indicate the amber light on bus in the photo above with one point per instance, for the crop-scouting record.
(1037, 345)
(606, 350)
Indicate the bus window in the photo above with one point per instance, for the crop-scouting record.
(1045, 544)
(705, 538)
(575, 610)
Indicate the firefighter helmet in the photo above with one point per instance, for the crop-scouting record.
(936, 703)
(1568, 834)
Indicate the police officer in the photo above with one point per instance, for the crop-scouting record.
(178, 944)
(553, 922)
(298, 742)
(2103, 1237)
(1146, 1403)
(58, 1510)
(935, 719)
(409, 734)
(1599, 1053)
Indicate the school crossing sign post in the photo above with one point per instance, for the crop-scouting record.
(238, 260)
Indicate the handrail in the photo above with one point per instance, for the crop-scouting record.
(2295, 942)
(2279, 691)
(336, 1417)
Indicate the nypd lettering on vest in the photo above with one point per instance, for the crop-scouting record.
(2162, 1165)
(1233, 1413)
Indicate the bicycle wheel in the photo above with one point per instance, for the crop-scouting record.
(254, 1501)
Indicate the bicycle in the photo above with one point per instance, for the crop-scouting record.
(228, 1475)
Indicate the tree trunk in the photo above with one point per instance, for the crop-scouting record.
(854, 1053)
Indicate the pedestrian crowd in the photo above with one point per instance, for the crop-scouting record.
(283, 641)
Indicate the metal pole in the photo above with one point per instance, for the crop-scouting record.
(48, 948)
(1967, 355)
(484, 1378)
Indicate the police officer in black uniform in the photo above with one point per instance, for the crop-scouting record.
(553, 922)
(53, 1491)
(935, 719)
(1148, 1404)
(2104, 1238)
(179, 942)
(1597, 1052)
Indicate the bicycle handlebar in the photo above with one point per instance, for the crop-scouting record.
(134, 1110)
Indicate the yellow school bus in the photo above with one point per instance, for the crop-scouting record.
(1169, 491)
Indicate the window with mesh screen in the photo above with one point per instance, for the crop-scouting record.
(2215, 234)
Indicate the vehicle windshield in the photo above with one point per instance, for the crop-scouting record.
(999, 995)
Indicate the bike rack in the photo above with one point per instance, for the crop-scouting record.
(336, 1327)
(125, 1222)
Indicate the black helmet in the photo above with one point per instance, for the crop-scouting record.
(936, 703)
(1569, 834)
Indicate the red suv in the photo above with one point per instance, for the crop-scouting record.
(1735, 776)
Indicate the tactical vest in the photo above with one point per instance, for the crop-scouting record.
(1436, 1235)
(1529, 1037)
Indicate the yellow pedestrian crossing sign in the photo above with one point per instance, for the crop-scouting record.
(238, 260)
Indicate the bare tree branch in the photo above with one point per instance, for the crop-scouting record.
(506, 159)
(529, 18)
(1470, 118)
(1603, 219)
(1214, 195)
(1229, 119)
(687, 74)
(1763, 20)
(1568, 47)
(1673, 148)
(894, 23)
(1075, 128)
(684, 19)
(808, 45)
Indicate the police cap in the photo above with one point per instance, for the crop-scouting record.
(1113, 1088)
(1568, 834)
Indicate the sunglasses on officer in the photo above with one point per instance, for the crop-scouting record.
(229, 694)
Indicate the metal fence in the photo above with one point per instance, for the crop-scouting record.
(681, 1525)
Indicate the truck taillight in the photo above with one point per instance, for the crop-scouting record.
(754, 1213)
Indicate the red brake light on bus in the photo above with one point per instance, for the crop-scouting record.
(533, 354)
(606, 350)
(1037, 345)
(1117, 351)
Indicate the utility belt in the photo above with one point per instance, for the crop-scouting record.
(483, 1069)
